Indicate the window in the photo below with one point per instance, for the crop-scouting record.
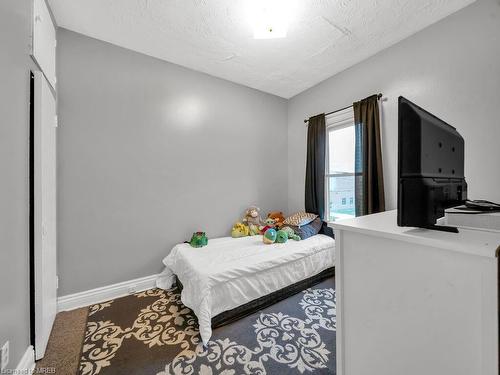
(340, 166)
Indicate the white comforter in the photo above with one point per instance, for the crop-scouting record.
(230, 272)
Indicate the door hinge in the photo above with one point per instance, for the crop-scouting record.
(56, 122)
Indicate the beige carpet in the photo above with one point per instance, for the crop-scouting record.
(65, 344)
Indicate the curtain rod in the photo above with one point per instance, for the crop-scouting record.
(379, 95)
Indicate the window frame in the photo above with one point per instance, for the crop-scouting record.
(335, 121)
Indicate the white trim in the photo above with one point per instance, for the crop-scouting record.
(335, 121)
(27, 363)
(339, 294)
(105, 293)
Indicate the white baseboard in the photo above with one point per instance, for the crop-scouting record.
(105, 293)
(27, 362)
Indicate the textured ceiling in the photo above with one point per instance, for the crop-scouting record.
(216, 36)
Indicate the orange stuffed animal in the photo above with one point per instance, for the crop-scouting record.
(278, 218)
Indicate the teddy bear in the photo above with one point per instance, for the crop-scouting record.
(253, 220)
(278, 218)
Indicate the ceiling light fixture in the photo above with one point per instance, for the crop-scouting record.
(270, 18)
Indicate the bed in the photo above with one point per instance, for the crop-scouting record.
(231, 277)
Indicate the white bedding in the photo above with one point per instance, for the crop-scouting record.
(230, 272)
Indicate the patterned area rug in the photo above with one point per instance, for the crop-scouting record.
(154, 333)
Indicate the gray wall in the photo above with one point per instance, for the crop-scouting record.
(451, 68)
(14, 189)
(149, 152)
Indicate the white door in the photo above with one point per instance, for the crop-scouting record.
(44, 212)
(44, 40)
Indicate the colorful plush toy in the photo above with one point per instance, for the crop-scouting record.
(253, 220)
(199, 239)
(270, 236)
(278, 218)
(240, 230)
(253, 230)
(269, 223)
(291, 233)
(281, 236)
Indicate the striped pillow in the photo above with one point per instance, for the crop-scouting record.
(300, 218)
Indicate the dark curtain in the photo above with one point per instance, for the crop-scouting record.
(315, 166)
(369, 180)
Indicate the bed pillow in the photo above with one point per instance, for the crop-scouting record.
(308, 230)
(299, 219)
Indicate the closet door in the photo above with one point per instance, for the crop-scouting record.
(45, 262)
(44, 41)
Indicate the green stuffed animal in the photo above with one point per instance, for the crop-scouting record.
(291, 233)
(268, 224)
(199, 239)
(281, 236)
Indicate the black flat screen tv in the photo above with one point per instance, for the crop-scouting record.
(430, 167)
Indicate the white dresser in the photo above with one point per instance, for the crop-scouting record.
(414, 301)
